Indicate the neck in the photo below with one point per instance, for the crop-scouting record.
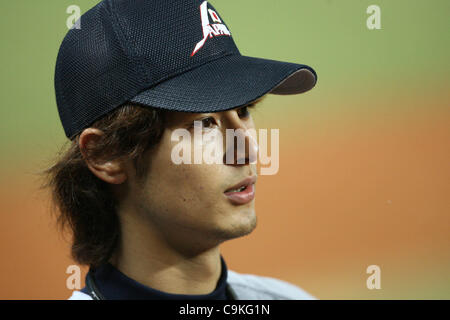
(147, 256)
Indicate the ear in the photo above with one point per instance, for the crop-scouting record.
(111, 171)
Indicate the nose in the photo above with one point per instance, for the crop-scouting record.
(241, 147)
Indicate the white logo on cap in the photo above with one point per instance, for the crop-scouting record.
(210, 30)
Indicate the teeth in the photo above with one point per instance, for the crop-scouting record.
(238, 190)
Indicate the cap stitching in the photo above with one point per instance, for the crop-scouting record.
(122, 37)
(188, 68)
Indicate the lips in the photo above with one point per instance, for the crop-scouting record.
(243, 192)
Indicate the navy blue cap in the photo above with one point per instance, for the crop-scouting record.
(172, 54)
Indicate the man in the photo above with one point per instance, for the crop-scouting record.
(148, 227)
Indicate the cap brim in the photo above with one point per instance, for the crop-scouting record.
(227, 83)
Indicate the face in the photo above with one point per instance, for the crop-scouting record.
(193, 202)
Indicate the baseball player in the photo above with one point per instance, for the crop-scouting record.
(150, 228)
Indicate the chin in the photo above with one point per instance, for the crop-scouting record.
(241, 225)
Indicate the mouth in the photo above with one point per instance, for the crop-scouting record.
(243, 192)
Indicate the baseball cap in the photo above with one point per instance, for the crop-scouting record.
(176, 55)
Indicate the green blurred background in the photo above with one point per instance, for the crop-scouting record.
(364, 157)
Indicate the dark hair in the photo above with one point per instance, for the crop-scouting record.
(85, 204)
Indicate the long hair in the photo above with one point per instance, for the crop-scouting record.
(84, 204)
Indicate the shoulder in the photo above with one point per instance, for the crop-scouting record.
(78, 295)
(253, 287)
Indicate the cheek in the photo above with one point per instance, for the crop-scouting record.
(194, 184)
(172, 187)
(185, 195)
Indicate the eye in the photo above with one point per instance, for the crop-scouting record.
(206, 123)
(243, 112)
